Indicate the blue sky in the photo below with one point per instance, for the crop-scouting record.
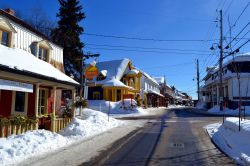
(158, 19)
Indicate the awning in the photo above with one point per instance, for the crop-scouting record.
(154, 92)
(16, 86)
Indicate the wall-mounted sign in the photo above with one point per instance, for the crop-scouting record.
(91, 72)
(15, 86)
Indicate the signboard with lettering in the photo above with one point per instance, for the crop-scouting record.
(15, 86)
(91, 72)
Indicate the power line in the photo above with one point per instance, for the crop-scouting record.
(238, 18)
(180, 64)
(241, 38)
(148, 39)
(145, 51)
(239, 33)
(137, 47)
(241, 13)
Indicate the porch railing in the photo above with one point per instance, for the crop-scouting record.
(60, 123)
(9, 129)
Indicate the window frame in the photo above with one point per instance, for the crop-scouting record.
(45, 102)
(8, 37)
(94, 95)
(13, 111)
(43, 49)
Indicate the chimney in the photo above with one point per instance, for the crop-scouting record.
(10, 11)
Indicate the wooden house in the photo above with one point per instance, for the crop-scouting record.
(31, 78)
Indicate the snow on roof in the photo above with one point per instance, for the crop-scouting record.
(114, 72)
(116, 83)
(148, 76)
(168, 86)
(133, 71)
(104, 72)
(115, 68)
(239, 58)
(160, 80)
(24, 61)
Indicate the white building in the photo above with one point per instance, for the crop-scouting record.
(210, 91)
(151, 89)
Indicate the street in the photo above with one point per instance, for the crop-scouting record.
(174, 138)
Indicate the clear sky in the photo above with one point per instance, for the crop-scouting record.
(167, 22)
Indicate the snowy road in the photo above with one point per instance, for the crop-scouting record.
(175, 138)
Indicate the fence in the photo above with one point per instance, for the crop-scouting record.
(60, 123)
(9, 129)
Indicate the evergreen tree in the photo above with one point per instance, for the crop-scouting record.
(68, 32)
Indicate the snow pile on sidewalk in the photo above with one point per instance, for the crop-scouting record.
(14, 149)
(19, 147)
(216, 110)
(234, 143)
(120, 107)
(91, 123)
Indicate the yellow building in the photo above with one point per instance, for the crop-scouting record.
(116, 80)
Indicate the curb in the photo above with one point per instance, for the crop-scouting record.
(220, 148)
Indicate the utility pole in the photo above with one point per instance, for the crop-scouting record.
(198, 78)
(220, 63)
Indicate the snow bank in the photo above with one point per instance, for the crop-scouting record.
(233, 142)
(91, 123)
(14, 149)
(120, 107)
(216, 110)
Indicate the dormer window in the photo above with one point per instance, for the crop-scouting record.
(41, 50)
(43, 54)
(6, 33)
(4, 37)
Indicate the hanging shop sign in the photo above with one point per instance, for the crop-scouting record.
(91, 72)
(15, 86)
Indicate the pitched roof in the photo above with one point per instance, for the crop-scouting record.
(115, 71)
(160, 80)
(14, 59)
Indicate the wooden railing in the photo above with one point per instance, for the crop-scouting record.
(9, 129)
(60, 123)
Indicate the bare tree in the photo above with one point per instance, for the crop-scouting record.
(38, 19)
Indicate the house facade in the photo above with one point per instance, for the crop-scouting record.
(117, 80)
(152, 96)
(235, 83)
(32, 75)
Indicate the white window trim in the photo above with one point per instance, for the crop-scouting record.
(13, 112)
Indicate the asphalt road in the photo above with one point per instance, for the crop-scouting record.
(176, 138)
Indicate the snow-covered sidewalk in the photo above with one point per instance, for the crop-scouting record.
(83, 151)
(229, 139)
(17, 148)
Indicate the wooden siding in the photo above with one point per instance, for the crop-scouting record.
(24, 38)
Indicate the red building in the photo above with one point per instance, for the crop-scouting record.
(31, 78)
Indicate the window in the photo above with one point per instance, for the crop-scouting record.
(42, 105)
(43, 54)
(96, 95)
(110, 95)
(4, 37)
(19, 101)
(118, 94)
